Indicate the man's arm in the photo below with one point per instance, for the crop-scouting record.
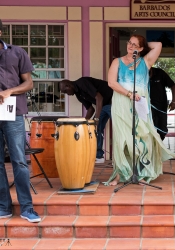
(90, 112)
(99, 105)
(88, 105)
(172, 104)
(25, 86)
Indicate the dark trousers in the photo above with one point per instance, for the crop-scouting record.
(160, 122)
(104, 117)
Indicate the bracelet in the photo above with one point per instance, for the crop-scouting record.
(129, 94)
(96, 119)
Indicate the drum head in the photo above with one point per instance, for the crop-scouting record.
(71, 121)
(45, 118)
(91, 122)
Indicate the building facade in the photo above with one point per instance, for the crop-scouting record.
(75, 38)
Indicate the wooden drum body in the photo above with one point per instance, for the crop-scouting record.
(42, 129)
(72, 151)
(93, 149)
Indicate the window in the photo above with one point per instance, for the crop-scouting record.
(168, 65)
(45, 45)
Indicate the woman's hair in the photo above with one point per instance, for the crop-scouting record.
(142, 43)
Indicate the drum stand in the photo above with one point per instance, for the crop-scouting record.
(134, 177)
(33, 151)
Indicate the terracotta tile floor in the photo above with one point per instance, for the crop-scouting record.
(133, 205)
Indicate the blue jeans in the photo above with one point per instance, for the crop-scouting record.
(14, 134)
(104, 117)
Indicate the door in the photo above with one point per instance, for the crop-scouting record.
(114, 44)
(114, 51)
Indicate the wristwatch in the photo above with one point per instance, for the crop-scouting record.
(96, 119)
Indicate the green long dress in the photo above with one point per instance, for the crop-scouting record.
(150, 151)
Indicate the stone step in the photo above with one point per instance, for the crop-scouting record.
(155, 226)
(105, 203)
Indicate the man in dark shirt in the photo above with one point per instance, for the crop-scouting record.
(15, 80)
(91, 91)
(159, 80)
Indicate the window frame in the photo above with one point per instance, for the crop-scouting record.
(29, 46)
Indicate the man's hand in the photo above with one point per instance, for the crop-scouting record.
(90, 112)
(96, 121)
(172, 106)
(4, 94)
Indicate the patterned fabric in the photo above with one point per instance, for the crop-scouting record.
(150, 151)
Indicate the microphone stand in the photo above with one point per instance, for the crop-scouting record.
(134, 177)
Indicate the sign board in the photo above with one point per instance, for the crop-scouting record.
(152, 10)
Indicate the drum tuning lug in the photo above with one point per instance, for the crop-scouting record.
(96, 133)
(39, 135)
(56, 136)
(90, 135)
(76, 136)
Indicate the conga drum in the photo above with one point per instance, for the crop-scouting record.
(93, 149)
(72, 151)
(41, 136)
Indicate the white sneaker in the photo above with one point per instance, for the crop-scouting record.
(99, 160)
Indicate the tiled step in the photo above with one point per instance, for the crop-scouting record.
(160, 226)
(133, 202)
(91, 243)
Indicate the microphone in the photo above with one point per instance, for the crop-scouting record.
(135, 53)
